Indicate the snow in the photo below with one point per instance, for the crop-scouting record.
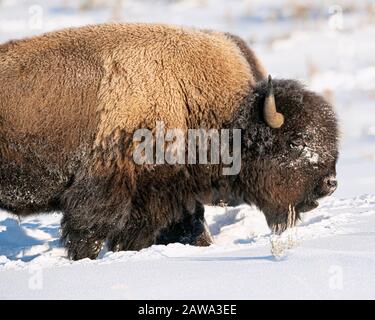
(332, 250)
(335, 241)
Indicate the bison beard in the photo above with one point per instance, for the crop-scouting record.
(78, 95)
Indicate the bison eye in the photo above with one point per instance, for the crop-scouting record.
(297, 143)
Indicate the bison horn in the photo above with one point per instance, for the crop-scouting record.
(273, 118)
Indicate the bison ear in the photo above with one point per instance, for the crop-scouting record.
(273, 118)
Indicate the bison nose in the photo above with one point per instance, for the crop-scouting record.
(331, 183)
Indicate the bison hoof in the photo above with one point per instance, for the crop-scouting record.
(203, 240)
(84, 248)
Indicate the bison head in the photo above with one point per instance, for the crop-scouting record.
(289, 152)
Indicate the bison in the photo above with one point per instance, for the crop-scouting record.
(71, 101)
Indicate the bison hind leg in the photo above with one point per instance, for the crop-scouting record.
(191, 229)
(91, 207)
(80, 242)
(81, 246)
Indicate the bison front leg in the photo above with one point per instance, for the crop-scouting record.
(132, 235)
(191, 229)
(200, 235)
(80, 243)
(92, 208)
(144, 227)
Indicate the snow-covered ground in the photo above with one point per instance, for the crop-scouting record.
(332, 252)
(333, 257)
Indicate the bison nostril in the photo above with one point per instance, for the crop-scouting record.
(331, 182)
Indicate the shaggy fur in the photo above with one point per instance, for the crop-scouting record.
(291, 166)
(71, 100)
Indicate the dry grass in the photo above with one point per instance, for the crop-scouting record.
(90, 4)
(287, 240)
(312, 68)
(116, 13)
(370, 9)
(299, 10)
(329, 95)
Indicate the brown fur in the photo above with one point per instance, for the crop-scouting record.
(70, 102)
(257, 69)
